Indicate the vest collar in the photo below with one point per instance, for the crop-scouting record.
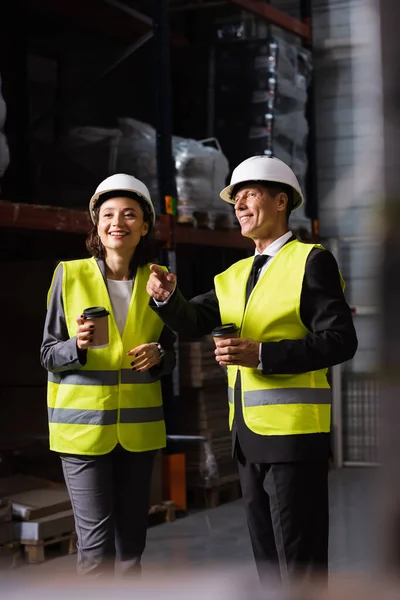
(101, 263)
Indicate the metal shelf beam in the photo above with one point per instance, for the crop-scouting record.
(96, 15)
(275, 17)
(55, 218)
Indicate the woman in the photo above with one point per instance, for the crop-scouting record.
(104, 404)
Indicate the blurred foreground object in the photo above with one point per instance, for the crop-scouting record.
(4, 151)
(210, 584)
(390, 323)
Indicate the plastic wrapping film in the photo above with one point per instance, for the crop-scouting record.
(4, 151)
(201, 173)
(200, 170)
(137, 155)
(86, 155)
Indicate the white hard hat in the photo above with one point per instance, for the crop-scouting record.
(264, 168)
(125, 183)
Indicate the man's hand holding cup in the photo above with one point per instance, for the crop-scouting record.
(230, 349)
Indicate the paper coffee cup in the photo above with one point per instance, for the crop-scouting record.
(98, 315)
(229, 330)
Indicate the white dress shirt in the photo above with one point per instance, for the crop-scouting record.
(272, 250)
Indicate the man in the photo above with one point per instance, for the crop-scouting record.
(294, 324)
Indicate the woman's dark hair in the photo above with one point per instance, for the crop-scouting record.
(274, 188)
(145, 251)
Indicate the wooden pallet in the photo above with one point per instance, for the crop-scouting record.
(10, 554)
(202, 220)
(36, 550)
(224, 490)
(5, 511)
(9, 548)
(162, 513)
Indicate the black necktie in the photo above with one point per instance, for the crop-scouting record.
(258, 263)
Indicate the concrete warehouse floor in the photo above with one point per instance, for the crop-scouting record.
(218, 538)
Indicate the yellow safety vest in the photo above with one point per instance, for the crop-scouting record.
(104, 402)
(274, 404)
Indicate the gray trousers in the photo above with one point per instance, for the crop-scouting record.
(110, 498)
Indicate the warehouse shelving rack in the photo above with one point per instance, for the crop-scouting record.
(122, 19)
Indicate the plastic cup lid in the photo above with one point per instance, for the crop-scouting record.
(225, 329)
(95, 312)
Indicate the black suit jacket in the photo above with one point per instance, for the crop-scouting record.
(331, 340)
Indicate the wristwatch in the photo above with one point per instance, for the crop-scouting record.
(160, 348)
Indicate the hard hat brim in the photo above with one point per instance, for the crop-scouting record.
(226, 193)
(94, 199)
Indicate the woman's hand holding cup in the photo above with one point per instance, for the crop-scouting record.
(84, 333)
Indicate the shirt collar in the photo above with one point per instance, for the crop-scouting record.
(273, 249)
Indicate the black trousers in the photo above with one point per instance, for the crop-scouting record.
(110, 499)
(286, 507)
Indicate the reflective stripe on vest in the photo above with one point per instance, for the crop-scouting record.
(105, 402)
(79, 377)
(284, 396)
(274, 404)
(230, 395)
(105, 417)
(74, 416)
(287, 396)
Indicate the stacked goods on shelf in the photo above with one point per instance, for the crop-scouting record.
(200, 173)
(281, 75)
(4, 151)
(204, 412)
(86, 155)
(261, 98)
